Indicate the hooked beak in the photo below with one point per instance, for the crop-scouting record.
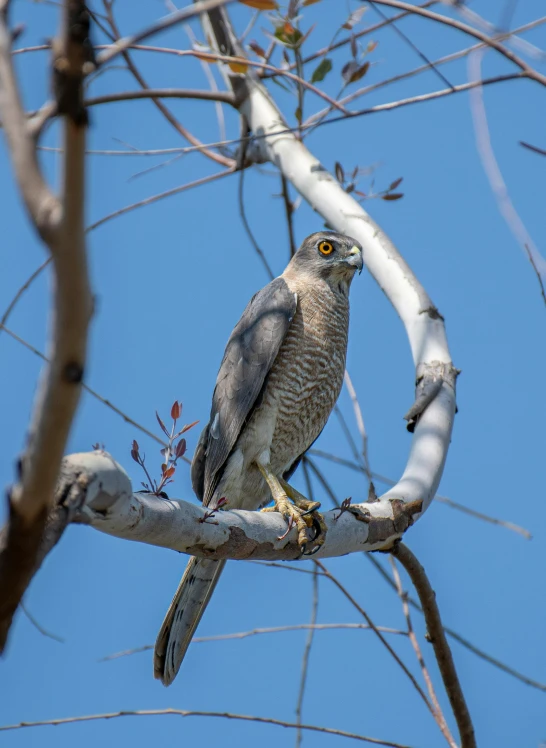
(354, 258)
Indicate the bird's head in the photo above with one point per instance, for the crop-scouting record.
(328, 255)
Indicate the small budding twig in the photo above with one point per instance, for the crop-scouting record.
(211, 512)
(344, 506)
(171, 453)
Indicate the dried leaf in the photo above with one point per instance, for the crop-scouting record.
(352, 71)
(395, 184)
(340, 174)
(255, 47)
(309, 2)
(260, 4)
(349, 70)
(393, 196)
(238, 67)
(371, 46)
(322, 70)
(354, 18)
(176, 410)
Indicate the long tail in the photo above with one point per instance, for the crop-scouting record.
(188, 605)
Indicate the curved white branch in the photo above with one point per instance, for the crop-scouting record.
(106, 501)
(434, 410)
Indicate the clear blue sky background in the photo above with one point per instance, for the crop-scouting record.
(171, 280)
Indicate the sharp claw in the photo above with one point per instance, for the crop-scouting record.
(317, 528)
(310, 511)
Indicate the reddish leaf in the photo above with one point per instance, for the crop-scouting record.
(134, 451)
(189, 426)
(163, 467)
(395, 184)
(309, 2)
(161, 424)
(371, 46)
(180, 450)
(169, 473)
(176, 410)
(393, 196)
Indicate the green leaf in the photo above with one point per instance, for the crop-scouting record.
(322, 70)
(299, 115)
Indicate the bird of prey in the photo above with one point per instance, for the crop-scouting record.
(279, 379)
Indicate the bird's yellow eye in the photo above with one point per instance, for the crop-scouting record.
(326, 248)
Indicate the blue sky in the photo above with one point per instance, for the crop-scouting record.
(171, 280)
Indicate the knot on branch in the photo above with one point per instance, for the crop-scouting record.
(73, 60)
(382, 529)
(428, 383)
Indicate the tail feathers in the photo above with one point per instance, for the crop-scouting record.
(188, 605)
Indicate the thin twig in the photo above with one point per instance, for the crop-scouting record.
(37, 625)
(359, 423)
(440, 719)
(440, 499)
(379, 635)
(494, 174)
(437, 637)
(305, 657)
(242, 212)
(125, 43)
(21, 291)
(422, 69)
(169, 116)
(163, 93)
(159, 196)
(271, 630)
(92, 392)
(470, 31)
(289, 213)
(413, 46)
(454, 635)
(195, 713)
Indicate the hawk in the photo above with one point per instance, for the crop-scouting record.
(279, 379)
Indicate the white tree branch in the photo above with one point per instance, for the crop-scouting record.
(433, 413)
(102, 497)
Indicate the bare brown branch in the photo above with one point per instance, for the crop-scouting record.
(63, 233)
(438, 640)
(163, 93)
(439, 716)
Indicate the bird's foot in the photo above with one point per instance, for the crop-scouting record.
(306, 521)
(300, 512)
